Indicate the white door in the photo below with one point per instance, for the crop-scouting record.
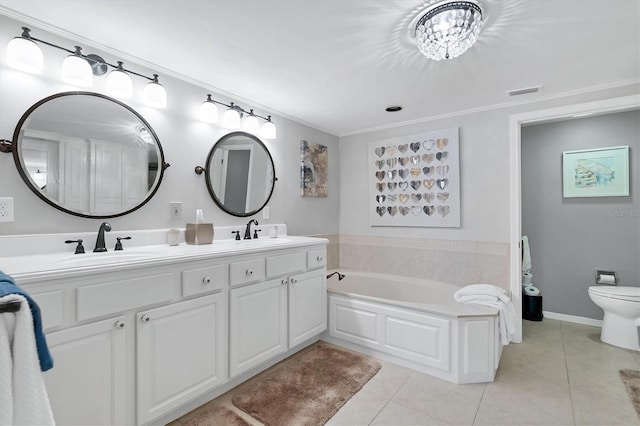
(258, 329)
(307, 306)
(86, 386)
(181, 354)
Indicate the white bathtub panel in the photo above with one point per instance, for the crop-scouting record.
(477, 349)
(419, 338)
(355, 322)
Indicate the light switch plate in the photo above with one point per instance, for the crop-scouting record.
(6, 209)
(176, 209)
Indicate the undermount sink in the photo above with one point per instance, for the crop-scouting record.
(102, 258)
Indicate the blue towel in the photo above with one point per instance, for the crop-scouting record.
(8, 286)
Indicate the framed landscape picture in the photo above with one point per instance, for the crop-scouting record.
(602, 172)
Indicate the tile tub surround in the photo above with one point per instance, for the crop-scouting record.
(454, 261)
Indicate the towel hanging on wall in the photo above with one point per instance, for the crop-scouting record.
(526, 254)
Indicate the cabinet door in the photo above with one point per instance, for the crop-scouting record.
(180, 354)
(87, 383)
(307, 306)
(258, 329)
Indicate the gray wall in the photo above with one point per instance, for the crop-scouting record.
(186, 142)
(571, 237)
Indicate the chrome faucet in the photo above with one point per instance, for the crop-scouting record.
(100, 245)
(247, 231)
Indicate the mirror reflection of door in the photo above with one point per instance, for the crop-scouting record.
(235, 176)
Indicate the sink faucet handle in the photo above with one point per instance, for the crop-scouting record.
(255, 233)
(79, 247)
(237, 235)
(119, 242)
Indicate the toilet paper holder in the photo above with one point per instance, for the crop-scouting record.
(606, 277)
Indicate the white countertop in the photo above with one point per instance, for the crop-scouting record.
(35, 267)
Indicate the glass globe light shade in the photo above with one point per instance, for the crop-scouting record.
(119, 84)
(76, 70)
(231, 119)
(154, 94)
(209, 111)
(251, 124)
(268, 130)
(24, 54)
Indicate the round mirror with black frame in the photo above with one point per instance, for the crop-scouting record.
(240, 174)
(88, 155)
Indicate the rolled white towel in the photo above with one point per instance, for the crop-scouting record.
(481, 290)
(495, 297)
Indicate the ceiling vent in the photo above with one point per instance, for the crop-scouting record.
(524, 91)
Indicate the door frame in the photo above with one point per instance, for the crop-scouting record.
(516, 121)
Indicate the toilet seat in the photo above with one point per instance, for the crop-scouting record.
(631, 294)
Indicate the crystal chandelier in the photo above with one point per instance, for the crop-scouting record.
(447, 29)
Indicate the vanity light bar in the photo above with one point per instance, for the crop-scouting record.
(232, 118)
(23, 53)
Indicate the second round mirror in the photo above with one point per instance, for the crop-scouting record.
(240, 174)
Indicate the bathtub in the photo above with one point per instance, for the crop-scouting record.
(414, 323)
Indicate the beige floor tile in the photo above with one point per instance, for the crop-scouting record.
(548, 368)
(595, 408)
(607, 383)
(495, 412)
(394, 414)
(388, 380)
(571, 331)
(537, 347)
(515, 390)
(361, 409)
(444, 401)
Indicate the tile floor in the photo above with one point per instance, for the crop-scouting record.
(561, 374)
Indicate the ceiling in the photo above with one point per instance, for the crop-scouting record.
(336, 64)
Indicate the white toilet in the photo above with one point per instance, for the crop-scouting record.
(621, 322)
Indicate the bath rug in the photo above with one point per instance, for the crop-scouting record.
(631, 380)
(214, 415)
(307, 389)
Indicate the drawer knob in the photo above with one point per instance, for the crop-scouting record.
(319, 258)
(248, 272)
(285, 281)
(206, 280)
(145, 318)
(119, 324)
(293, 281)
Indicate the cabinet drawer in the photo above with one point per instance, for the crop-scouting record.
(286, 264)
(248, 271)
(51, 308)
(203, 280)
(119, 296)
(316, 258)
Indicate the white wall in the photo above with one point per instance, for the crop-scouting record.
(484, 165)
(186, 142)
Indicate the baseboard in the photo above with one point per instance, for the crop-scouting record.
(573, 318)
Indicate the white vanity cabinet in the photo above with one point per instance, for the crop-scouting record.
(181, 353)
(88, 382)
(307, 306)
(272, 316)
(144, 343)
(258, 325)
